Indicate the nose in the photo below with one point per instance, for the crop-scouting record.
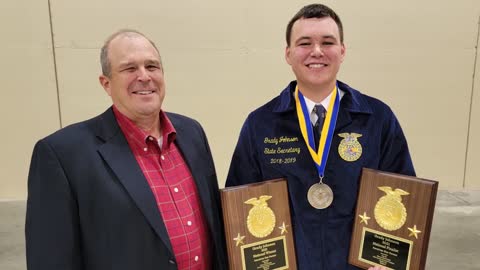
(143, 74)
(317, 50)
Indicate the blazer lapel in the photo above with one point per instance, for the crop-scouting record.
(198, 167)
(117, 154)
(351, 103)
(343, 119)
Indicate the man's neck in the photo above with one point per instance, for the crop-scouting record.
(151, 125)
(316, 93)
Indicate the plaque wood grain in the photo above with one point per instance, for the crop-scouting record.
(235, 213)
(419, 204)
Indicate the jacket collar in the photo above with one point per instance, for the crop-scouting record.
(352, 101)
(106, 126)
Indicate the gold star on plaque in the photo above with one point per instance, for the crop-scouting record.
(364, 218)
(283, 228)
(239, 239)
(414, 231)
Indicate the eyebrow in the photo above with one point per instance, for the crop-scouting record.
(156, 62)
(309, 37)
(125, 64)
(328, 36)
(129, 63)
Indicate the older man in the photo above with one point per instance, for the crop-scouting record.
(133, 188)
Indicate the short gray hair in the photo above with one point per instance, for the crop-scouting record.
(105, 62)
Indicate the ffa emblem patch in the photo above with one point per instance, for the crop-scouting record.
(390, 213)
(261, 219)
(349, 148)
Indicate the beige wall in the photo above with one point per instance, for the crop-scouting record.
(224, 58)
(473, 154)
(28, 104)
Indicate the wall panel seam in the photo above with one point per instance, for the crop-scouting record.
(54, 55)
(471, 104)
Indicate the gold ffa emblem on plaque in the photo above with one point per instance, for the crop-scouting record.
(349, 148)
(261, 219)
(390, 213)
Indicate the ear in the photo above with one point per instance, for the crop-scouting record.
(105, 82)
(343, 51)
(287, 54)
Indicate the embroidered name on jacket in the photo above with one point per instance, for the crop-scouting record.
(283, 149)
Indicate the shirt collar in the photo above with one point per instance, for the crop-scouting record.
(351, 100)
(311, 104)
(138, 138)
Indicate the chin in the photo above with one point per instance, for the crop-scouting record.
(322, 82)
(149, 110)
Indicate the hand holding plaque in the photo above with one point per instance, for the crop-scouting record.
(258, 227)
(392, 221)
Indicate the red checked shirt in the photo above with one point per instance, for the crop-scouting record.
(174, 189)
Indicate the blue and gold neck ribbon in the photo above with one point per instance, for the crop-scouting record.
(320, 156)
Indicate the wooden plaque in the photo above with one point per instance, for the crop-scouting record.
(392, 221)
(258, 229)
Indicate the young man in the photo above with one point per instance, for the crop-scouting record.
(133, 188)
(319, 133)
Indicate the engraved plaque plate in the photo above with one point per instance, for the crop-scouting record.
(393, 221)
(258, 227)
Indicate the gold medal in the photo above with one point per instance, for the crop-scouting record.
(349, 148)
(390, 213)
(261, 219)
(320, 195)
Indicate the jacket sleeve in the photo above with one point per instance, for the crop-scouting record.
(244, 166)
(52, 231)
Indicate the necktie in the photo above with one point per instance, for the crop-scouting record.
(319, 110)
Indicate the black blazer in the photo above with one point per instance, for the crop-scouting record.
(90, 207)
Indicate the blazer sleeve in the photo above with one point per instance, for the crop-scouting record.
(52, 231)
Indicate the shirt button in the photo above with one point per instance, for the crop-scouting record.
(196, 258)
(150, 138)
(145, 149)
(163, 158)
(189, 223)
(175, 189)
